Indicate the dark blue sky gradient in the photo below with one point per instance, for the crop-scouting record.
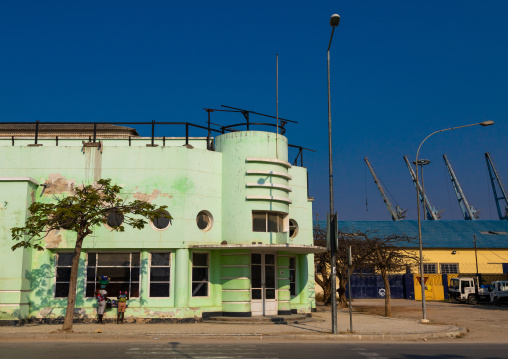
(400, 70)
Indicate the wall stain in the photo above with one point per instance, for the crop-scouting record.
(150, 197)
(53, 239)
(183, 185)
(93, 164)
(56, 184)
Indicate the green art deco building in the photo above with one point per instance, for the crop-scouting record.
(239, 244)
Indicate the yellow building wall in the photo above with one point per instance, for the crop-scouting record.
(489, 261)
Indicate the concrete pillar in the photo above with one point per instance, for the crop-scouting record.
(182, 278)
(303, 268)
(144, 279)
(215, 277)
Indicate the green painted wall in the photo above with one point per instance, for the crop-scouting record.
(187, 180)
(15, 197)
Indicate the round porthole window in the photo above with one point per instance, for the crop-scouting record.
(293, 228)
(204, 220)
(114, 219)
(163, 221)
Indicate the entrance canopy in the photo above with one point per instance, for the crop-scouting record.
(297, 249)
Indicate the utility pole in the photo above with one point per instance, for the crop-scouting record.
(475, 254)
(334, 21)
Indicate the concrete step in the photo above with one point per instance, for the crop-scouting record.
(268, 319)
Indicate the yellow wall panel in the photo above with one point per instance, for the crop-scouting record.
(433, 287)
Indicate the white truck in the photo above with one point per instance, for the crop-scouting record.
(499, 292)
(467, 290)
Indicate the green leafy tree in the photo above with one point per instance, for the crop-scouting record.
(88, 207)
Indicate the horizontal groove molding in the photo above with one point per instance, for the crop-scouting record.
(269, 173)
(269, 160)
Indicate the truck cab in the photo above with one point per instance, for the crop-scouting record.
(499, 292)
(467, 290)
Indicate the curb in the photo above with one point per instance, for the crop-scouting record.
(458, 332)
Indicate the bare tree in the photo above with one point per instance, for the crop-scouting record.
(392, 254)
(384, 253)
(361, 252)
(322, 273)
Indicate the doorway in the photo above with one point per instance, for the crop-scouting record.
(263, 284)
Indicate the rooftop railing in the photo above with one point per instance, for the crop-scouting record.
(96, 126)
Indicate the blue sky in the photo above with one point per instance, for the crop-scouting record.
(400, 70)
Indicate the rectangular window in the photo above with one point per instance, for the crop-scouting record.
(63, 274)
(122, 268)
(449, 268)
(160, 270)
(292, 276)
(200, 274)
(266, 221)
(429, 268)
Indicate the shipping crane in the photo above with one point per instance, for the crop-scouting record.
(494, 177)
(431, 212)
(469, 213)
(397, 213)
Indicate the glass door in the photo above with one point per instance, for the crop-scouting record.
(263, 279)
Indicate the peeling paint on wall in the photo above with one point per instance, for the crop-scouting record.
(44, 313)
(56, 184)
(53, 239)
(150, 197)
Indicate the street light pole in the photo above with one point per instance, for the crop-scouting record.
(334, 21)
(422, 281)
(422, 163)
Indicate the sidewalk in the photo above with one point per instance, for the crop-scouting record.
(365, 327)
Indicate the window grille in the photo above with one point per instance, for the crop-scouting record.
(429, 268)
(200, 274)
(63, 274)
(292, 276)
(122, 268)
(160, 274)
(449, 268)
(266, 221)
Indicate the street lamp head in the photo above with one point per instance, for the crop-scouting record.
(334, 20)
(422, 162)
(486, 123)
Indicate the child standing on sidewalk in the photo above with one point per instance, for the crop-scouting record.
(122, 305)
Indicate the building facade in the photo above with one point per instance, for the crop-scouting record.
(449, 251)
(449, 246)
(240, 241)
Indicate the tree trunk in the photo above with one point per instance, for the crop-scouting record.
(71, 299)
(327, 294)
(324, 283)
(343, 303)
(388, 304)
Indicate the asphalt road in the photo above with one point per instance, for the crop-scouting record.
(59, 350)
